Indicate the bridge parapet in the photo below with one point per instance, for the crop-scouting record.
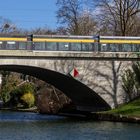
(70, 54)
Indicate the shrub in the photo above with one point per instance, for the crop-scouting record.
(27, 87)
(28, 99)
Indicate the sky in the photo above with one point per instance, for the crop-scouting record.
(30, 14)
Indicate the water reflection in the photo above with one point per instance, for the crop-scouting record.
(31, 126)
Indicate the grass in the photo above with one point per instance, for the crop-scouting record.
(130, 109)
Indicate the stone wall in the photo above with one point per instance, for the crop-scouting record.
(104, 77)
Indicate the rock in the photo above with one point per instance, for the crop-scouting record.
(50, 100)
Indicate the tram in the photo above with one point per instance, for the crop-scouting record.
(70, 43)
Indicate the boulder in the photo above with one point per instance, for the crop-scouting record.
(50, 100)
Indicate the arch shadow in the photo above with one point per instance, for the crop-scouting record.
(84, 98)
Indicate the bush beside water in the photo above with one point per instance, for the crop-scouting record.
(21, 97)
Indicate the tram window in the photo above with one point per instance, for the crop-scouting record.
(11, 45)
(51, 46)
(136, 48)
(108, 48)
(87, 47)
(29, 45)
(96, 47)
(119, 47)
(104, 47)
(126, 47)
(115, 48)
(133, 46)
(22, 45)
(76, 46)
(39, 46)
(63, 46)
(1, 44)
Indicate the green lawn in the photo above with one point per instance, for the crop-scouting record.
(129, 109)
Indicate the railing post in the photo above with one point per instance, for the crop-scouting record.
(30, 42)
(97, 43)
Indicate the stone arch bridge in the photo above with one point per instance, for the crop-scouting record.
(96, 88)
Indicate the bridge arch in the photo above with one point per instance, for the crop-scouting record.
(84, 98)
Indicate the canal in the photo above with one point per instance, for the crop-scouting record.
(32, 126)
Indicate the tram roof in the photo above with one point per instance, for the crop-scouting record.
(96, 37)
(121, 37)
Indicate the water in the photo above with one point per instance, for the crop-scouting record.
(31, 126)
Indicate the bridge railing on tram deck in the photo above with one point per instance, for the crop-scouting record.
(102, 44)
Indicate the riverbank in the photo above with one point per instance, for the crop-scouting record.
(129, 112)
(33, 109)
(114, 117)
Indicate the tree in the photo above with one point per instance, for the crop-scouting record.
(42, 31)
(9, 82)
(6, 26)
(119, 16)
(21, 95)
(62, 31)
(128, 80)
(68, 13)
(87, 24)
(131, 80)
(137, 26)
(136, 69)
(75, 18)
